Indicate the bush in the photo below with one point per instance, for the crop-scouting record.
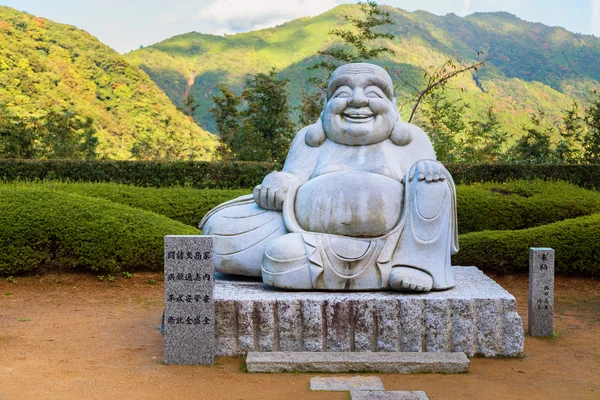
(197, 174)
(246, 175)
(43, 230)
(185, 205)
(575, 242)
(584, 175)
(521, 204)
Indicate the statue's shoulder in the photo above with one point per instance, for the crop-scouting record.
(416, 135)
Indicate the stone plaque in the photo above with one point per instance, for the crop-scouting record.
(541, 291)
(189, 319)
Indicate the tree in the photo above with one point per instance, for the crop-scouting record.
(571, 135)
(591, 141)
(534, 147)
(357, 46)
(227, 116)
(435, 77)
(311, 105)
(54, 135)
(485, 139)
(444, 122)
(190, 104)
(17, 139)
(357, 40)
(255, 126)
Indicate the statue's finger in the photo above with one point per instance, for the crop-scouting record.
(264, 197)
(256, 195)
(272, 198)
(428, 171)
(278, 202)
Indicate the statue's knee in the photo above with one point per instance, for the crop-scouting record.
(284, 253)
(287, 247)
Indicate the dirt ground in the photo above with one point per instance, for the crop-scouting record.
(72, 336)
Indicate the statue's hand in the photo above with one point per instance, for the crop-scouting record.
(271, 193)
(428, 171)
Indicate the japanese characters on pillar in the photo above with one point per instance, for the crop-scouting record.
(541, 291)
(189, 318)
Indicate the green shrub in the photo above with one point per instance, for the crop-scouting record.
(235, 175)
(197, 174)
(521, 204)
(45, 229)
(185, 205)
(584, 175)
(575, 242)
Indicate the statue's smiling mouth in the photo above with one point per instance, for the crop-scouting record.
(358, 116)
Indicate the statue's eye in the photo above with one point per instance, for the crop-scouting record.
(343, 92)
(374, 92)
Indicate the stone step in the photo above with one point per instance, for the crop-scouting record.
(399, 363)
(340, 384)
(388, 395)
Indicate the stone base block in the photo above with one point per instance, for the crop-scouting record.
(477, 317)
(395, 363)
(389, 395)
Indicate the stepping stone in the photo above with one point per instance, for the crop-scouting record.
(399, 363)
(355, 383)
(388, 395)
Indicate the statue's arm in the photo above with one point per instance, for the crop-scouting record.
(298, 168)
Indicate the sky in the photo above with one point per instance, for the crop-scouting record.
(126, 25)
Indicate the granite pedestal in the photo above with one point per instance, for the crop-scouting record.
(477, 317)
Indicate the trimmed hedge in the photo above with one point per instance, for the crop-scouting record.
(488, 206)
(235, 175)
(44, 229)
(197, 174)
(521, 204)
(54, 225)
(583, 175)
(185, 205)
(574, 240)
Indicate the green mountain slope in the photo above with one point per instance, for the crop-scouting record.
(46, 65)
(533, 66)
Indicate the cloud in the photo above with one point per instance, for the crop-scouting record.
(595, 20)
(241, 15)
(170, 17)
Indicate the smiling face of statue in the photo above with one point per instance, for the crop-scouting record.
(360, 108)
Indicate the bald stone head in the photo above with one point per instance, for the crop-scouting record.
(360, 108)
(377, 75)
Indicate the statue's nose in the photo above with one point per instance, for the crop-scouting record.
(358, 98)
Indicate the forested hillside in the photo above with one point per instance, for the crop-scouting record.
(532, 67)
(46, 67)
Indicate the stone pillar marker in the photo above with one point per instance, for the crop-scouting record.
(541, 291)
(189, 318)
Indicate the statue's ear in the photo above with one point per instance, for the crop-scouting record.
(401, 135)
(315, 135)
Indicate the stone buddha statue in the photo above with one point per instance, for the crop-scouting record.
(361, 202)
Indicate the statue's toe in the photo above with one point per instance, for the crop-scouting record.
(410, 280)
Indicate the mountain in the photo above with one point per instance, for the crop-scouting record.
(49, 66)
(532, 66)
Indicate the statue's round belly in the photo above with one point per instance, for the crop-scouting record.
(358, 204)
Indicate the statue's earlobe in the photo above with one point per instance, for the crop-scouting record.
(401, 135)
(315, 135)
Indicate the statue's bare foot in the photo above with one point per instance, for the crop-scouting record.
(410, 280)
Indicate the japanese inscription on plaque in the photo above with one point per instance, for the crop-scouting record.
(189, 319)
(541, 291)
